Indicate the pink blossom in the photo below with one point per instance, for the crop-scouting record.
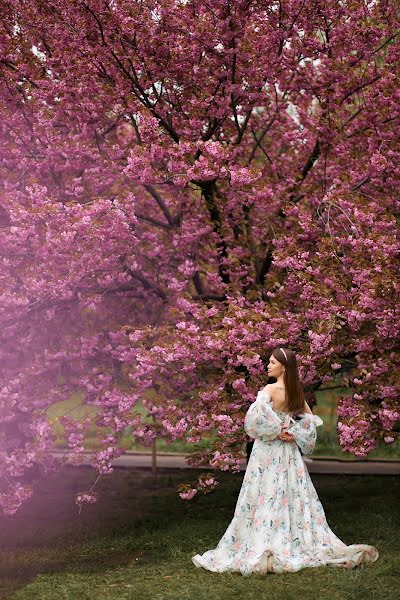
(189, 494)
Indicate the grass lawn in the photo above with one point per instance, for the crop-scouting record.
(137, 541)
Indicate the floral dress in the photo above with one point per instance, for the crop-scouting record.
(279, 524)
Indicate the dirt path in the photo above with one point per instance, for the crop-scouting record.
(314, 465)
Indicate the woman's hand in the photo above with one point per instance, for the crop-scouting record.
(285, 436)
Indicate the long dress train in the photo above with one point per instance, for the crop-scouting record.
(279, 524)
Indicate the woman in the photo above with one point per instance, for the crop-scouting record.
(279, 524)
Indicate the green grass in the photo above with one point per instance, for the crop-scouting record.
(137, 542)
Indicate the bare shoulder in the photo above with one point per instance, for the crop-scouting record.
(269, 388)
(275, 391)
(307, 409)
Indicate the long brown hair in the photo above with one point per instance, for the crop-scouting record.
(293, 386)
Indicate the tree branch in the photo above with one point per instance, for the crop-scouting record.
(172, 221)
(208, 190)
(152, 221)
(392, 37)
(198, 284)
(359, 88)
(265, 266)
(145, 283)
(361, 183)
(209, 297)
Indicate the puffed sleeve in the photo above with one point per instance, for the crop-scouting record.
(260, 420)
(305, 432)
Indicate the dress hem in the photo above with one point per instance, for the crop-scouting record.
(269, 562)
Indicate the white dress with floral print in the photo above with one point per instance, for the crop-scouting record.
(279, 524)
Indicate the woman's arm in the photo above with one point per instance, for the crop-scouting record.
(305, 432)
(261, 421)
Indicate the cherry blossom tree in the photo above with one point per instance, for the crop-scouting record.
(186, 185)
